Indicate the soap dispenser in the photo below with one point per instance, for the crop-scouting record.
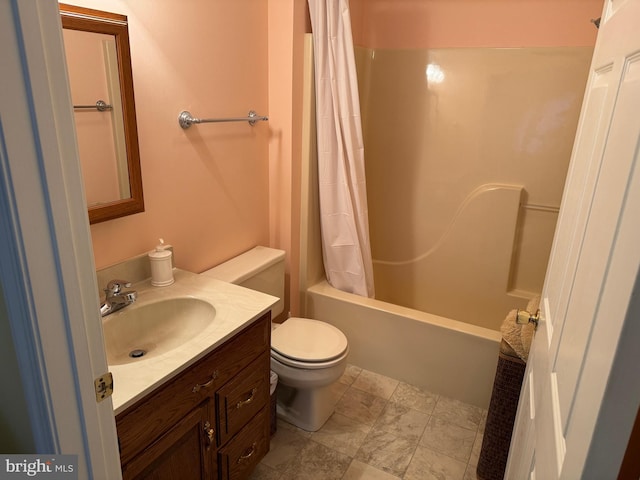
(161, 271)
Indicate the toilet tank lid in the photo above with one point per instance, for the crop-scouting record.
(246, 265)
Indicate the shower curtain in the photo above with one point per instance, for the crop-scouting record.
(343, 197)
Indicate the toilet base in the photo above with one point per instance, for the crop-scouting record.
(307, 409)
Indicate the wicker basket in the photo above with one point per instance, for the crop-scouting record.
(501, 415)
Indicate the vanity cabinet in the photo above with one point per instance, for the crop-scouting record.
(211, 421)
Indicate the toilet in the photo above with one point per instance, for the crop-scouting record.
(308, 355)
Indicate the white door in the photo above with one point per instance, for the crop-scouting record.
(590, 280)
(47, 276)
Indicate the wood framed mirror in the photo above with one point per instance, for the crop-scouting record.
(100, 74)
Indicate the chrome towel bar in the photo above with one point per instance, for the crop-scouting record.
(100, 105)
(185, 119)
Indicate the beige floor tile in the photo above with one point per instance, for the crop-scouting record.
(317, 462)
(338, 389)
(342, 434)
(414, 397)
(262, 472)
(429, 465)
(283, 424)
(361, 406)
(459, 413)
(376, 384)
(286, 445)
(475, 451)
(403, 421)
(470, 473)
(350, 374)
(483, 422)
(361, 471)
(382, 429)
(386, 451)
(449, 439)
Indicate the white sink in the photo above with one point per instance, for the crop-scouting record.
(140, 332)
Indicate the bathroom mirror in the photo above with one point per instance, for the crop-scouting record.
(99, 66)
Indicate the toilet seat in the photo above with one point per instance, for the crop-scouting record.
(289, 362)
(306, 343)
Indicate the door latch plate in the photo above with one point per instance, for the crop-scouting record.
(104, 386)
(523, 317)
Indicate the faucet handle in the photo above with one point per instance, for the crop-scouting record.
(114, 287)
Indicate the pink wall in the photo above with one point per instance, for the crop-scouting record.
(206, 189)
(474, 23)
(286, 40)
(216, 190)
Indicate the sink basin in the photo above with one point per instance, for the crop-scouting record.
(140, 332)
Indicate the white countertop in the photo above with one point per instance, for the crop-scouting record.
(236, 307)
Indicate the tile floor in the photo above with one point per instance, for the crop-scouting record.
(382, 429)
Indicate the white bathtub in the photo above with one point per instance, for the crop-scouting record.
(445, 356)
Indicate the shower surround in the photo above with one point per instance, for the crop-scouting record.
(464, 178)
(469, 112)
(466, 155)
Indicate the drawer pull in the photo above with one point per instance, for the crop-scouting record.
(199, 386)
(242, 403)
(247, 453)
(209, 432)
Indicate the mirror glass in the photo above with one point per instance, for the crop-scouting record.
(99, 66)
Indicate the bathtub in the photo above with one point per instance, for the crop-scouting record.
(444, 356)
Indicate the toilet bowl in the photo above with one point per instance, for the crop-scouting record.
(308, 355)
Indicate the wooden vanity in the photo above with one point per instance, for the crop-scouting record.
(211, 421)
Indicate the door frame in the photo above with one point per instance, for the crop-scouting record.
(47, 272)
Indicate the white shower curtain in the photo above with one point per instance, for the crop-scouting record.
(343, 195)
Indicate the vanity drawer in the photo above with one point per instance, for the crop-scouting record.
(237, 353)
(241, 398)
(154, 414)
(240, 456)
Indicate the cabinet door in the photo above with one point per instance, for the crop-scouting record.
(186, 451)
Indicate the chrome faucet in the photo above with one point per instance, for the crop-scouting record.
(116, 298)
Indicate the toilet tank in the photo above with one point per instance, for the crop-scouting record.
(261, 269)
